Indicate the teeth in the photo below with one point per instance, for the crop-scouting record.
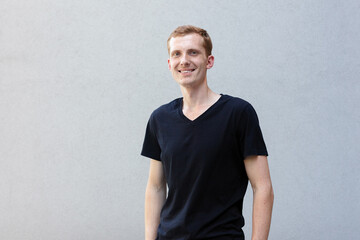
(186, 71)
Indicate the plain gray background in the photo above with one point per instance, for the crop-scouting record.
(79, 79)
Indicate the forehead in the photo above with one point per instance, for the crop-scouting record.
(189, 41)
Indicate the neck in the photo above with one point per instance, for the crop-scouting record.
(197, 97)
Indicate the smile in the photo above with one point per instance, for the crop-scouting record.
(186, 70)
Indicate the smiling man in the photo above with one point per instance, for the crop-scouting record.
(205, 147)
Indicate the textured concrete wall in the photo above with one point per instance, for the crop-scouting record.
(79, 79)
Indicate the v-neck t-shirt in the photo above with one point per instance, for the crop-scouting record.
(203, 162)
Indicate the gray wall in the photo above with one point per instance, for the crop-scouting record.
(79, 79)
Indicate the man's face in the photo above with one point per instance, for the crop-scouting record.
(188, 62)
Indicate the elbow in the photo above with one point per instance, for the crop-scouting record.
(272, 195)
(160, 188)
(156, 187)
(266, 191)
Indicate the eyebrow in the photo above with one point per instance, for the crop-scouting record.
(189, 50)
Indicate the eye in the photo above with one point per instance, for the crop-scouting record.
(193, 52)
(176, 54)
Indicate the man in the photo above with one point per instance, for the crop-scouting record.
(205, 147)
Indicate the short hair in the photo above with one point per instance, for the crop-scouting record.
(189, 29)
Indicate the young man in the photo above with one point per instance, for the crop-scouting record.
(205, 146)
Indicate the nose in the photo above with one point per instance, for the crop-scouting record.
(184, 60)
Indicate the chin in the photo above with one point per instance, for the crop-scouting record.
(189, 84)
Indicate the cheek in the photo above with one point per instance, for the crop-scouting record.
(171, 64)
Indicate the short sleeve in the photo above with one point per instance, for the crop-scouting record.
(251, 138)
(151, 147)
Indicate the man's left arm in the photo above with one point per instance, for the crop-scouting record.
(257, 169)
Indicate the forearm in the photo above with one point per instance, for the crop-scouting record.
(262, 209)
(154, 201)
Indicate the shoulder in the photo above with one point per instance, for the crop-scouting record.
(241, 109)
(166, 109)
(236, 103)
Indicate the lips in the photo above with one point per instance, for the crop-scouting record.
(186, 70)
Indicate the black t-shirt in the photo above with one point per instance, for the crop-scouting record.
(204, 167)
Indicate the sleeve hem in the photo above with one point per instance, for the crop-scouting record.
(256, 153)
(151, 156)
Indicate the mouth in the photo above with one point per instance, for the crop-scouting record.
(186, 70)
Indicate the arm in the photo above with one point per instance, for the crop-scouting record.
(154, 199)
(257, 170)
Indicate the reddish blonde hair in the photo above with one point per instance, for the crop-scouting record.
(189, 29)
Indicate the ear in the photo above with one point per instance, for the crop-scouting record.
(169, 65)
(210, 62)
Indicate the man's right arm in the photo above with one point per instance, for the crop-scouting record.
(155, 196)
